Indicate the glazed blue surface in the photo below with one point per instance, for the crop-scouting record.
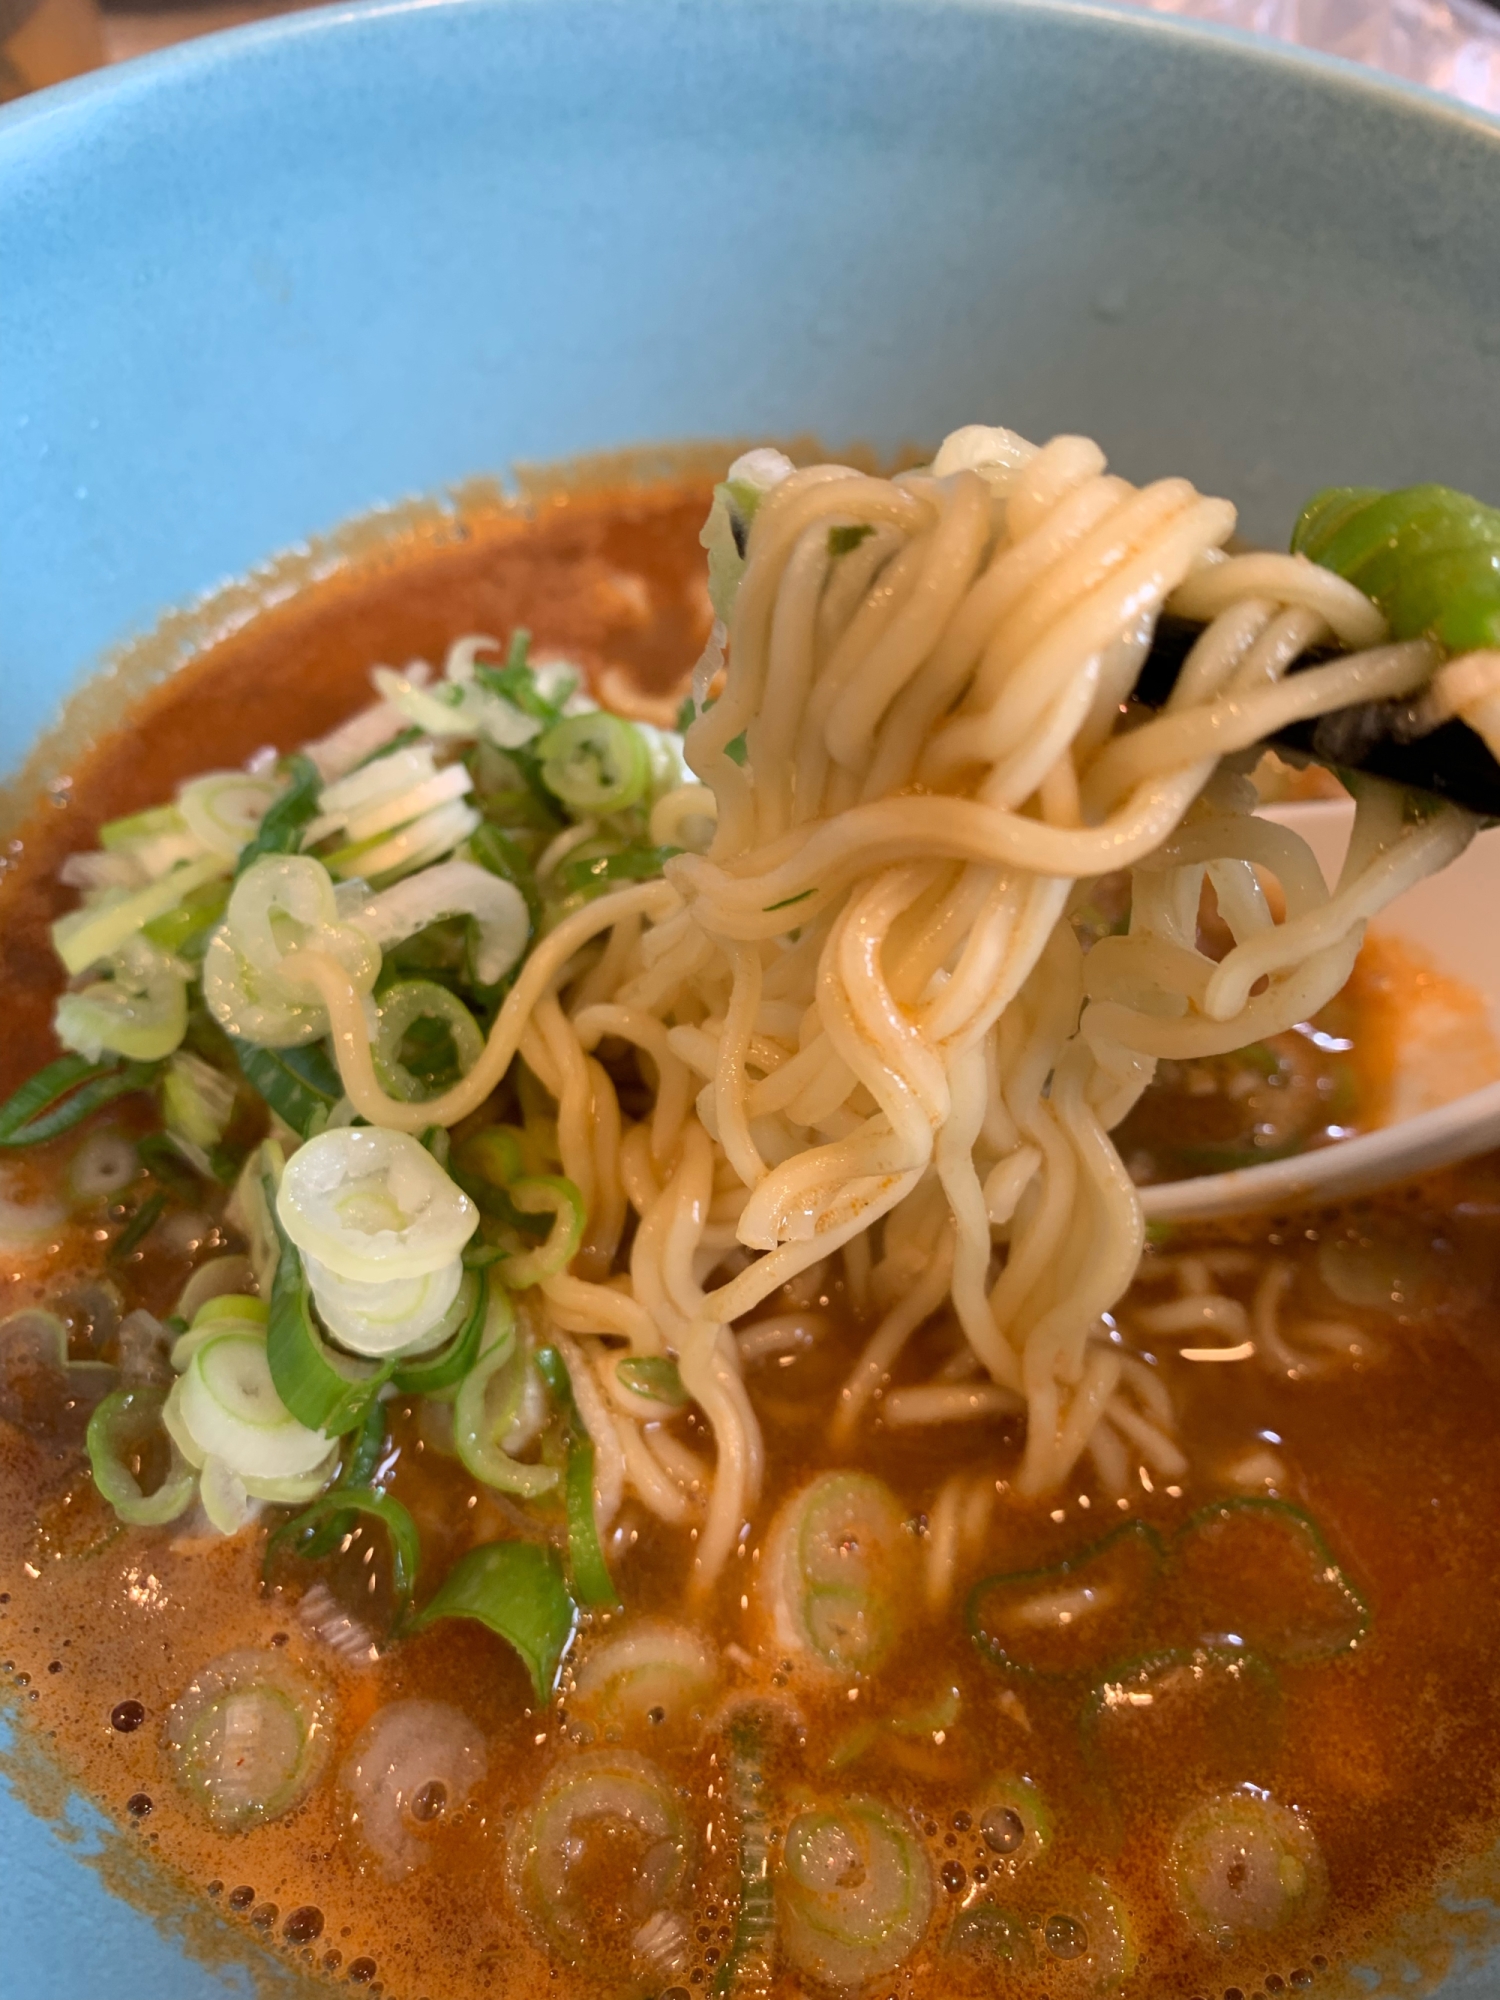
(273, 279)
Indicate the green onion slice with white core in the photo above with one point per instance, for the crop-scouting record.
(393, 1316)
(373, 1204)
(121, 1431)
(601, 1803)
(248, 1737)
(139, 1012)
(401, 1007)
(197, 1100)
(324, 1388)
(1015, 1822)
(855, 1892)
(256, 1007)
(653, 1675)
(837, 1573)
(595, 763)
(1242, 1865)
(223, 809)
(228, 1403)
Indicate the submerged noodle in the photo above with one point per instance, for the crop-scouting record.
(865, 1016)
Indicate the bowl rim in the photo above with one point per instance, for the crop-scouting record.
(118, 86)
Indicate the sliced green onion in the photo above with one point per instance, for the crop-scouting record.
(225, 809)
(248, 1737)
(588, 1571)
(120, 1431)
(63, 1094)
(1258, 1572)
(140, 1011)
(495, 907)
(1015, 1822)
(590, 874)
(197, 1100)
(157, 838)
(446, 1365)
(185, 931)
(489, 1402)
(413, 1003)
(138, 1228)
(993, 1934)
(84, 937)
(228, 1402)
(652, 1675)
(654, 1377)
(596, 763)
(397, 1316)
(517, 1590)
(838, 1579)
(542, 1194)
(750, 1960)
(1075, 1617)
(301, 1085)
(1430, 558)
(1241, 1866)
(605, 1845)
(373, 1204)
(287, 819)
(328, 1391)
(855, 1892)
(306, 1534)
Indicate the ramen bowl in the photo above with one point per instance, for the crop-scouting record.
(281, 278)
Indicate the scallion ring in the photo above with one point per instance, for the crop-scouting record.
(121, 1431)
(413, 1003)
(595, 763)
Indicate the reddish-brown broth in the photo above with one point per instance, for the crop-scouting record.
(1391, 1752)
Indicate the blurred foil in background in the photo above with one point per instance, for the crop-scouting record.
(1450, 45)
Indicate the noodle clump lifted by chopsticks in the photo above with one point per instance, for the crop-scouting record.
(870, 1025)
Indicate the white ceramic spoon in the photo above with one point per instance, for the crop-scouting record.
(1453, 920)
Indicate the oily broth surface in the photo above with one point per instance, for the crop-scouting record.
(1390, 1752)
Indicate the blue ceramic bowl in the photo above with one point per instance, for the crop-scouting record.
(269, 281)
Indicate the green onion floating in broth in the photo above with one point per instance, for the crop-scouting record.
(122, 1432)
(248, 1737)
(853, 1893)
(1258, 1572)
(318, 1528)
(604, 1849)
(516, 1589)
(837, 1574)
(653, 1676)
(1242, 1865)
(66, 1092)
(1074, 1617)
(1015, 1822)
